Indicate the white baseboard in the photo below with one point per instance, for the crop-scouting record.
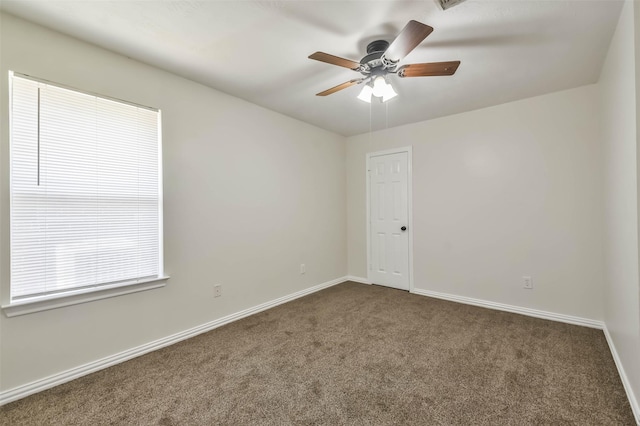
(569, 319)
(357, 279)
(74, 373)
(635, 407)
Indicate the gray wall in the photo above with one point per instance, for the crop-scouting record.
(619, 97)
(249, 195)
(499, 193)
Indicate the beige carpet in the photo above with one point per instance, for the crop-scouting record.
(354, 354)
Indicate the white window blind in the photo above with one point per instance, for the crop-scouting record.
(85, 192)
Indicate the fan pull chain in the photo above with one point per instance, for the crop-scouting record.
(370, 130)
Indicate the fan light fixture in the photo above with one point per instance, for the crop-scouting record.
(380, 89)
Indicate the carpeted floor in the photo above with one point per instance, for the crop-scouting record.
(354, 354)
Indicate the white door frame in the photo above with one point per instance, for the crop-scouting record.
(408, 150)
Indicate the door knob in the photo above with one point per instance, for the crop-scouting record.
(404, 228)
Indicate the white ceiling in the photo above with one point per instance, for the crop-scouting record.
(257, 50)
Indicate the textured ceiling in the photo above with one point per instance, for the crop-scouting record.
(257, 50)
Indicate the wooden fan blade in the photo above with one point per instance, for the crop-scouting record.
(335, 60)
(428, 69)
(340, 87)
(411, 36)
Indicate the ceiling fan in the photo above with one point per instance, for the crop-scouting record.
(382, 60)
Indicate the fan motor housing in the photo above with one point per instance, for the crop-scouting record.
(377, 46)
(375, 50)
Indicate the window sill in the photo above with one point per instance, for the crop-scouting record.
(24, 307)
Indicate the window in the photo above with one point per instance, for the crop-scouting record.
(86, 192)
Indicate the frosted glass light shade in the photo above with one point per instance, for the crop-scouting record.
(365, 94)
(379, 86)
(389, 93)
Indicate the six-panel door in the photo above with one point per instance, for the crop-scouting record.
(389, 214)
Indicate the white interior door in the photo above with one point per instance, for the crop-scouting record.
(389, 219)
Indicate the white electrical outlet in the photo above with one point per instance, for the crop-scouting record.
(217, 290)
(527, 282)
(303, 268)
